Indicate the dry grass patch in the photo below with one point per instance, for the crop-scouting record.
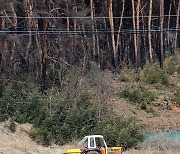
(149, 152)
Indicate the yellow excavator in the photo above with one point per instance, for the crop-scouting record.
(93, 144)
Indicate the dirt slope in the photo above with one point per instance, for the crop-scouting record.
(20, 143)
(164, 119)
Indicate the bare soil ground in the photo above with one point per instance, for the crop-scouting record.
(20, 143)
(163, 119)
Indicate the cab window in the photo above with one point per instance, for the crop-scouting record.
(99, 142)
(91, 142)
(85, 144)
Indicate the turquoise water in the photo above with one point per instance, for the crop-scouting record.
(175, 136)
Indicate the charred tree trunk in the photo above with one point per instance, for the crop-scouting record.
(68, 22)
(118, 36)
(14, 22)
(138, 35)
(28, 8)
(161, 34)
(169, 19)
(5, 62)
(44, 57)
(143, 36)
(92, 26)
(177, 26)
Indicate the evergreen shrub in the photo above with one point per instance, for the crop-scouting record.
(120, 132)
(55, 118)
(139, 96)
(154, 75)
(176, 97)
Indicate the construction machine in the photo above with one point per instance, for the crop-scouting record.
(93, 144)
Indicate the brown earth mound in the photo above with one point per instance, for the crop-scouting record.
(19, 142)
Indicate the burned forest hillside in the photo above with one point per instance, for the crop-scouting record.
(76, 67)
(38, 36)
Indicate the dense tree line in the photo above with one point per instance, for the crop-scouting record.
(40, 34)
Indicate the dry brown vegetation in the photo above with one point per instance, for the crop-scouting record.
(162, 114)
(149, 152)
(20, 142)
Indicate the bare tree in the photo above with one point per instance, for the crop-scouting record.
(149, 32)
(134, 27)
(169, 19)
(111, 20)
(120, 26)
(138, 34)
(68, 22)
(92, 25)
(177, 25)
(161, 33)
(44, 57)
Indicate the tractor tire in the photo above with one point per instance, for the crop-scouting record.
(96, 151)
(93, 152)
